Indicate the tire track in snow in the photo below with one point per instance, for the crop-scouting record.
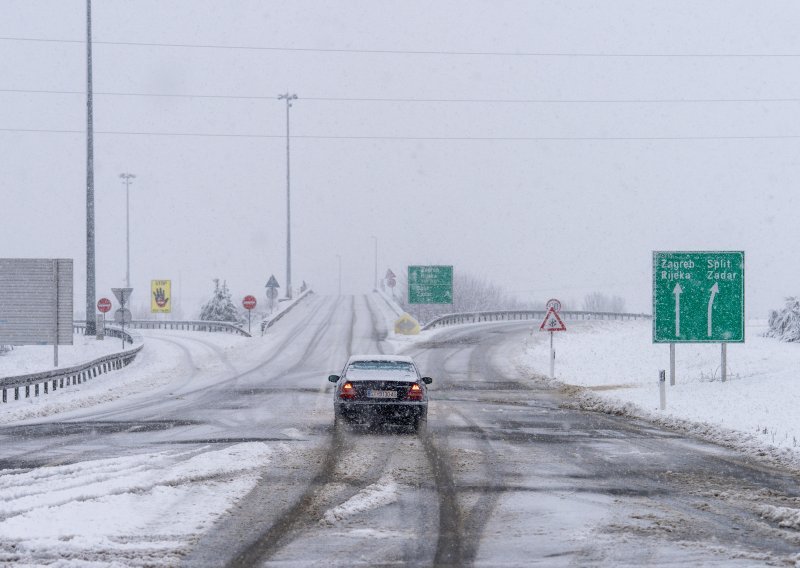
(460, 529)
(313, 502)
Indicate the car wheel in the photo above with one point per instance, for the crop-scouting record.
(339, 421)
(420, 423)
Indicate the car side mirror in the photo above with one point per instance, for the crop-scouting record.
(427, 380)
(333, 378)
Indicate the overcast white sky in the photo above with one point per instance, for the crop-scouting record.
(541, 217)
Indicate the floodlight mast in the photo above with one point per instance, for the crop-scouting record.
(288, 98)
(91, 324)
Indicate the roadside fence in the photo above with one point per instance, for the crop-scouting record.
(516, 315)
(187, 325)
(272, 320)
(50, 381)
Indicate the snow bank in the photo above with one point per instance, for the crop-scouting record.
(616, 366)
(37, 358)
(75, 512)
(786, 517)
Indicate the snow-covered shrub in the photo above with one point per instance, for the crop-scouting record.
(220, 307)
(784, 324)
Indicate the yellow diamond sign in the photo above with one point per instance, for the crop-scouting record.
(406, 325)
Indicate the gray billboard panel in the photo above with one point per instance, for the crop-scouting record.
(35, 301)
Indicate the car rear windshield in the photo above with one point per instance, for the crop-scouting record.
(382, 366)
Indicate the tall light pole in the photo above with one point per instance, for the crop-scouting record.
(376, 262)
(126, 179)
(340, 273)
(288, 98)
(91, 326)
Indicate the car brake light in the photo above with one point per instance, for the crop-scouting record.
(415, 392)
(347, 391)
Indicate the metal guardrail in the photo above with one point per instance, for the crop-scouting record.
(111, 331)
(60, 378)
(515, 315)
(190, 325)
(268, 323)
(187, 325)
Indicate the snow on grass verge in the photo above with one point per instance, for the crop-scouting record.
(612, 366)
(28, 359)
(155, 367)
(141, 510)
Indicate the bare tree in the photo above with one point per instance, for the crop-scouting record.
(617, 304)
(599, 302)
(596, 302)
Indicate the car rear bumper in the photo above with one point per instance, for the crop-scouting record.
(362, 409)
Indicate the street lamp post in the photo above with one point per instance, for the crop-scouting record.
(126, 179)
(288, 98)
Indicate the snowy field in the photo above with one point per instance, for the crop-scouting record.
(37, 358)
(615, 366)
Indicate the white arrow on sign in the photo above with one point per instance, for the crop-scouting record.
(714, 292)
(677, 291)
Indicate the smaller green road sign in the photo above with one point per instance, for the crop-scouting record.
(698, 297)
(430, 284)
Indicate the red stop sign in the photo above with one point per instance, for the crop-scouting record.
(104, 305)
(249, 302)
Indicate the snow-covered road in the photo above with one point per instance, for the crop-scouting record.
(221, 451)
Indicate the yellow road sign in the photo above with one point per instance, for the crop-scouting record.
(161, 296)
(406, 325)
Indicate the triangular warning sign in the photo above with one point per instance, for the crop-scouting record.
(552, 322)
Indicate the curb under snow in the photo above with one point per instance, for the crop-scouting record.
(747, 444)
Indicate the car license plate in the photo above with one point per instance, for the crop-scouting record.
(381, 394)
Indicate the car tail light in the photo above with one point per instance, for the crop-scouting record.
(347, 391)
(415, 392)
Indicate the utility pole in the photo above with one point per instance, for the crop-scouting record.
(126, 179)
(91, 325)
(376, 262)
(288, 98)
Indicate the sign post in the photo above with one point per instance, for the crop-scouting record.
(122, 315)
(552, 323)
(103, 306)
(249, 302)
(272, 291)
(101, 326)
(391, 280)
(698, 297)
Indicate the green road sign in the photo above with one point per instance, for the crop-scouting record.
(430, 284)
(698, 297)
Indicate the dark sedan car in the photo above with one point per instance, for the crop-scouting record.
(380, 388)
